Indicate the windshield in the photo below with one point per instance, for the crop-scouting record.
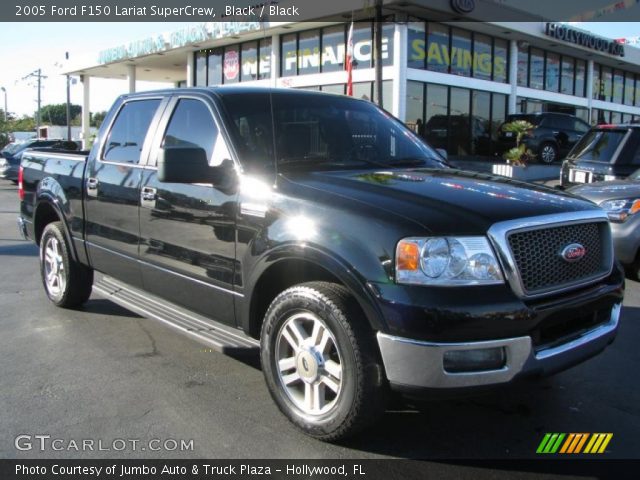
(14, 148)
(315, 131)
(598, 145)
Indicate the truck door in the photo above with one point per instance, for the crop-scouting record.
(112, 189)
(187, 231)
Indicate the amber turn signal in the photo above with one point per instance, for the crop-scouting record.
(408, 256)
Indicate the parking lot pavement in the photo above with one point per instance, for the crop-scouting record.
(102, 373)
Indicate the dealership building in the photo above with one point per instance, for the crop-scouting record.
(459, 79)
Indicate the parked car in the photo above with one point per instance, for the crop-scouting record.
(11, 155)
(320, 231)
(621, 200)
(469, 135)
(551, 138)
(606, 152)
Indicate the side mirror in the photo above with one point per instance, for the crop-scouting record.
(190, 165)
(443, 153)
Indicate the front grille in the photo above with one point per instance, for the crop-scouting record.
(541, 267)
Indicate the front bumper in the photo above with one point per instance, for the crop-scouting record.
(420, 364)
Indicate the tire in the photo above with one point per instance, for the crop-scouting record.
(66, 282)
(548, 153)
(328, 378)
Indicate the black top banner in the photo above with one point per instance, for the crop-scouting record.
(304, 10)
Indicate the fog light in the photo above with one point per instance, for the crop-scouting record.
(477, 360)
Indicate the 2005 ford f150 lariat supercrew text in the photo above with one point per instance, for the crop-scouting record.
(321, 231)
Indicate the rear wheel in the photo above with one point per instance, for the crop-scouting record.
(320, 362)
(548, 153)
(66, 282)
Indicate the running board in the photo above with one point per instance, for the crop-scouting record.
(220, 337)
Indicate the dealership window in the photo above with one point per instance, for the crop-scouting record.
(567, 76)
(523, 67)
(417, 53)
(415, 103)
(629, 88)
(498, 115)
(249, 69)
(309, 52)
(438, 48)
(214, 67)
(231, 64)
(264, 67)
(362, 45)
(443, 49)
(336, 89)
(333, 48)
(201, 68)
(617, 93)
(460, 52)
(234, 63)
(536, 69)
(288, 55)
(581, 75)
(459, 120)
(482, 56)
(481, 123)
(552, 72)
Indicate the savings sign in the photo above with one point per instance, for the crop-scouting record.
(440, 56)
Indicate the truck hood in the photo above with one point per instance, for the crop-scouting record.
(443, 201)
(613, 190)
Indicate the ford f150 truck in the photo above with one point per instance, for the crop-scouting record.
(321, 231)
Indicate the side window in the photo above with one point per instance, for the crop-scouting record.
(125, 140)
(581, 127)
(192, 125)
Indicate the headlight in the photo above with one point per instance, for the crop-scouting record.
(619, 210)
(447, 261)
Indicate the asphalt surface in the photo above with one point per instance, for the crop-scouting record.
(103, 373)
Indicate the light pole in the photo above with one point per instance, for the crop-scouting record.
(5, 102)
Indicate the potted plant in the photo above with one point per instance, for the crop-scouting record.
(518, 157)
(520, 154)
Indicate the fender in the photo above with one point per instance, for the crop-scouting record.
(51, 193)
(343, 271)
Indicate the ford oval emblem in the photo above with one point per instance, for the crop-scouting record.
(463, 6)
(573, 252)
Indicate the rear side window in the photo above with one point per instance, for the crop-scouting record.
(598, 145)
(191, 125)
(129, 130)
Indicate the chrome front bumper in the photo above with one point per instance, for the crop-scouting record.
(418, 364)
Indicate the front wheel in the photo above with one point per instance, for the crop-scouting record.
(320, 362)
(66, 282)
(548, 153)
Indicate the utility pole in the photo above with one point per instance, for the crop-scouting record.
(37, 74)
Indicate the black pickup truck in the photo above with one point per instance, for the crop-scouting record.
(321, 231)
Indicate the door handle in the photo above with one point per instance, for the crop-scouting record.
(92, 187)
(148, 194)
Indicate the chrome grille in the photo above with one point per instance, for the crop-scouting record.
(539, 263)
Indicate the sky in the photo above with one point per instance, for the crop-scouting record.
(25, 47)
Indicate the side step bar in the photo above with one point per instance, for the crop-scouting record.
(220, 337)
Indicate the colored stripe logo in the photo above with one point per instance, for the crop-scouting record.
(572, 443)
